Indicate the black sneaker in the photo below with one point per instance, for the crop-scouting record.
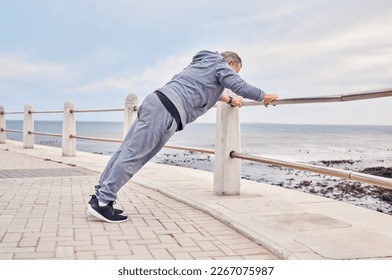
(106, 213)
(94, 200)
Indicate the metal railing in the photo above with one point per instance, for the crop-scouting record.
(2, 124)
(327, 99)
(344, 174)
(95, 138)
(227, 173)
(30, 112)
(98, 110)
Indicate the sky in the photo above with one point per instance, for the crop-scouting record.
(96, 52)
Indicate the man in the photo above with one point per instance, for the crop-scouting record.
(182, 100)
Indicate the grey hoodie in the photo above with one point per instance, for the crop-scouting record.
(200, 85)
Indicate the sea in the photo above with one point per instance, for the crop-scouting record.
(349, 147)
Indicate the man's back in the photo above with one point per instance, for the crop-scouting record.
(199, 86)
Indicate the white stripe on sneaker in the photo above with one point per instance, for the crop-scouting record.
(99, 216)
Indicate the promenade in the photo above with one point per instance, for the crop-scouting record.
(173, 215)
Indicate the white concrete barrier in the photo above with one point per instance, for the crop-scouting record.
(2, 125)
(227, 170)
(69, 128)
(28, 126)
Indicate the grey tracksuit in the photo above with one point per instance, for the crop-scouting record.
(193, 91)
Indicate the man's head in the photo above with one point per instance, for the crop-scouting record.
(233, 60)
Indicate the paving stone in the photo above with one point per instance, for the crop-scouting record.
(47, 219)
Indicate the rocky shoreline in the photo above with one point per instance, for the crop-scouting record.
(363, 195)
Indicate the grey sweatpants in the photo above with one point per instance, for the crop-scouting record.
(148, 134)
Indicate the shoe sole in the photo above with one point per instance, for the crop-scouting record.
(116, 210)
(99, 216)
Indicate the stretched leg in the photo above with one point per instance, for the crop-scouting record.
(114, 157)
(150, 133)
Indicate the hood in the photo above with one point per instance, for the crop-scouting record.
(205, 54)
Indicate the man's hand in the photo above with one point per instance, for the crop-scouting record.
(235, 102)
(268, 98)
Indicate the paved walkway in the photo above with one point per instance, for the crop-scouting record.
(43, 216)
(174, 215)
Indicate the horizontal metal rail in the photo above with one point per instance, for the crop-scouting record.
(345, 174)
(46, 112)
(325, 99)
(184, 148)
(11, 113)
(96, 139)
(45, 134)
(72, 111)
(96, 110)
(12, 130)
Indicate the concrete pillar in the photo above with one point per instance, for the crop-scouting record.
(2, 125)
(130, 112)
(28, 125)
(227, 170)
(69, 127)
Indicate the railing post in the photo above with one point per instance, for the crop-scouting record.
(227, 170)
(69, 127)
(28, 125)
(130, 112)
(2, 125)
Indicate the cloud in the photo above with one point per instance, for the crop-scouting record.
(356, 57)
(149, 79)
(16, 67)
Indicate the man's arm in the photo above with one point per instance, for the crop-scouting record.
(237, 100)
(230, 79)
